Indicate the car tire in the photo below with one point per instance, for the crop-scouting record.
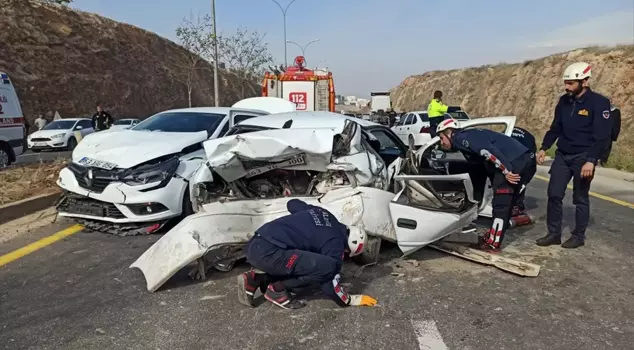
(72, 143)
(5, 156)
(371, 254)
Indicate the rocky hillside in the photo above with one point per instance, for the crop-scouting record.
(528, 90)
(66, 60)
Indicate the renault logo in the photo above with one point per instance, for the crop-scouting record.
(89, 178)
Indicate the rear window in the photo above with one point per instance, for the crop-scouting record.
(181, 122)
(459, 115)
(60, 125)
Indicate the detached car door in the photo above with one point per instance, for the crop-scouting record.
(427, 208)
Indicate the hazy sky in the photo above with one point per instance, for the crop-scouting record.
(372, 45)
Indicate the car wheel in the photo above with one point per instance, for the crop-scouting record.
(371, 253)
(72, 143)
(4, 157)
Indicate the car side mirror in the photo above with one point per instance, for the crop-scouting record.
(79, 127)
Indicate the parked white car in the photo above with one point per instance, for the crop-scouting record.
(415, 127)
(60, 134)
(356, 169)
(131, 182)
(123, 124)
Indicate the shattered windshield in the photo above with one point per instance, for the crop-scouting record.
(181, 122)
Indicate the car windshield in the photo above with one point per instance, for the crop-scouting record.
(60, 125)
(181, 122)
(123, 122)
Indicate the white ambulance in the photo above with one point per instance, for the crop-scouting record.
(11, 123)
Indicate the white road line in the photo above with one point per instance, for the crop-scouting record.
(428, 336)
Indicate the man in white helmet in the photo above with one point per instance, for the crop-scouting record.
(582, 128)
(303, 249)
(510, 165)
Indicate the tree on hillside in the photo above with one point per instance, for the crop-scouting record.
(244, 54)
(197, 40)
(61, 2)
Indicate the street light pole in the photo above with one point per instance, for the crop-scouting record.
(284, 14)
(302, 48)
(213, 19)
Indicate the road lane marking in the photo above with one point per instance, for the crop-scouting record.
(597, 195)
(35, 246)
(428, 336)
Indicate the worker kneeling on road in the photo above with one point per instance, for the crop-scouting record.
(305, 248)
(510, 165)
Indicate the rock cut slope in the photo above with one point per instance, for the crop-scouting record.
(66, 60)
(528, 90)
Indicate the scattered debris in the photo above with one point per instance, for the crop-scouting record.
(100, 331)
(395, 274)
(212, 297)
(502, 263)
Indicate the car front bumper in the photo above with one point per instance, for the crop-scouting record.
(51, 144)
(117, 202)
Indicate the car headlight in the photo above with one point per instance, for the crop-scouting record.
(151, 173)
(57, 136)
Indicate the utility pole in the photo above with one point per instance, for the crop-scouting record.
(213, 20)
(284, 9)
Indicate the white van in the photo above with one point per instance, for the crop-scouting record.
(11, 123)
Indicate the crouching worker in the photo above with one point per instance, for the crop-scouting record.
(510, 166)
(303, 249)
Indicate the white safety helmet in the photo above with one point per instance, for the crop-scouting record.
(357, 240)
(447, 124)
(578, 71)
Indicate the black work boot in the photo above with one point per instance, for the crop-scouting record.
(247, 285)
(548, 240)
(573, 242)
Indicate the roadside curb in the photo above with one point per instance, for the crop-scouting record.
(15, 210)
(605, 172)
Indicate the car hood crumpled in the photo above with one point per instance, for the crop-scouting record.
(237, 156)
(127, 148)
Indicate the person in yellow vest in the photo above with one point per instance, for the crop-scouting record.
(436, 111)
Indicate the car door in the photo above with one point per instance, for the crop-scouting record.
(427, 208)
(437, 159)
(237, 115)
(86, 127)
(401, 127)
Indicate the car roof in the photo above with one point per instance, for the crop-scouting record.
(71, 119)
(220, 110)
(306, 119)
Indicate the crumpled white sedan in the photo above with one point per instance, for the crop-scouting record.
(358, 170)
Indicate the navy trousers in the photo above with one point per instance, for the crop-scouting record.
(565, 167)
(294, 268)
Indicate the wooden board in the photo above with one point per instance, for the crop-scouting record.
(482, 257)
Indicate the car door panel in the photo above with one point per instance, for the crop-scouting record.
(422, 212)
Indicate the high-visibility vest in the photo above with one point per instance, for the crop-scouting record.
(436, 109)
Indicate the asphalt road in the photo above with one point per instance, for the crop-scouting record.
(79, 293)
(30, 157)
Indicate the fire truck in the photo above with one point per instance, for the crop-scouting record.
(310, 90)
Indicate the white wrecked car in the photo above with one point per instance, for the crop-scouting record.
(358, 170)
(130, 182)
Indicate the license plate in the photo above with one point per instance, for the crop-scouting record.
(39, 144)
(296, 160)
(97, 163)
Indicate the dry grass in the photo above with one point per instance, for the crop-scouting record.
(30, 180)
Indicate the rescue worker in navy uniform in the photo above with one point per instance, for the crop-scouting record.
(305, 248)
(510, 163)
(101, 120)
(582, 128)
(528, 140)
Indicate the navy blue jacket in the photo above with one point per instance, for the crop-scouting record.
(310, 228)
(581, 125)
(497, 148)
(525, 138)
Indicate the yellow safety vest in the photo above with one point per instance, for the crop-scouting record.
(436, 109)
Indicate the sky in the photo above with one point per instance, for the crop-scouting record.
(372, 45)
